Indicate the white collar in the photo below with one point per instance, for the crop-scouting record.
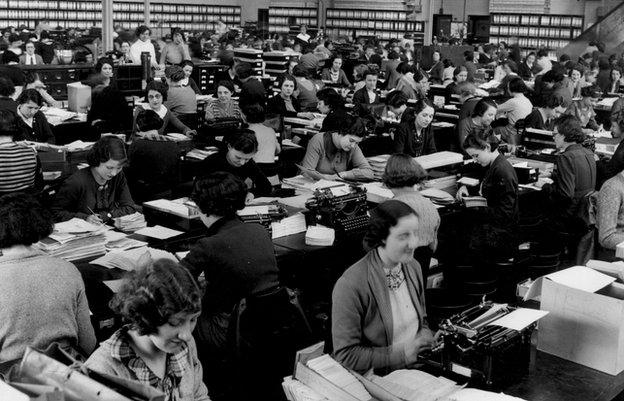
(28, 121)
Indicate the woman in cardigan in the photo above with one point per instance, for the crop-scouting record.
(223, 106)
(335, 74)
(284, 103)
(415, 136)
(336, 154)
(156, 94)
(378, 305)
(32, 123)
(610, 217)
(160, 304)
(99, 193)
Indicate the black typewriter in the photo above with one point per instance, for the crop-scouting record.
(486, 355)
(342, 208)
(275, 213)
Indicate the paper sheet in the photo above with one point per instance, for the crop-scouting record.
(181, 255)
(288, 226)
(112, 236)
(253, 210)
(519, 319)
(114, 285)
(158, 232)
(582, 278)
(296, 201)
(75, 225)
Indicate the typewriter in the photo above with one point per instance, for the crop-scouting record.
(264, 218)
(485, 354)
(342, 208)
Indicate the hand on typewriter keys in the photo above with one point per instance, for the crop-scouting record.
(423, 342)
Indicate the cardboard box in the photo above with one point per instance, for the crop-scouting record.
(586, 320)
(78, 97)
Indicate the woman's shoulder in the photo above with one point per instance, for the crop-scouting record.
(80, 178)
(355, 276)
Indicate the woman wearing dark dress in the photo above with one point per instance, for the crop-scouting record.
(414, 136)
(332, 105)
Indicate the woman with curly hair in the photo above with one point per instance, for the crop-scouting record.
(160, 304)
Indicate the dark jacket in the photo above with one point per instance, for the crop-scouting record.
(39, 132)
(500, 188)
(436, 73)
(392, 76)
(237, 259)
(536, 120)
(252, 91)
(374, 59)
(81, 192)
(362, 103)
(525, 71)
(6, 103)
(218, 162)
(407, 141)
(276, 105)
(574, 177)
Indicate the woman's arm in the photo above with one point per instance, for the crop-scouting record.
(360, 169)
(123, 203)
(194, 86)
(262, 184)
(609, 204)
(314, 152)
(46, 131)
(86, 335)
(179, 125)
(66, 200)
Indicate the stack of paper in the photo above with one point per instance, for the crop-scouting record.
(378, 164)
(308, 184)
(288, 226)
(116, 240)
(474, 201)
(78, 145)
(75, 239)
(376, 192)
(158, 232)
(438, 196)
(129, 259)
(201, 154)
(130, 222)
(320, 236)
(439, 159)
(297, 391)
(415, 385)
(183, 207)
(334, 372)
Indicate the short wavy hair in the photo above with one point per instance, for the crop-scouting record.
(382, 219)
(402, 171)
(219, 194)
(24, 220)
(154, 293)
(570, 127)
(105, 149)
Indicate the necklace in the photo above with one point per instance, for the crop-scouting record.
(394, 278)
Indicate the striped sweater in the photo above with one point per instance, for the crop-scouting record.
(18, 167)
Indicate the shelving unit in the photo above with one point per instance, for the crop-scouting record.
(280, 18)
(385, 24)
(536, 31)
(88, 13)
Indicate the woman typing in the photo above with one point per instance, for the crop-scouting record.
(100, 192)
(336, 154)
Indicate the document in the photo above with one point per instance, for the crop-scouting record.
(582, 278)
(288, 226)
(75, 225)
(254, 210)
(159, 232)
(519, 319)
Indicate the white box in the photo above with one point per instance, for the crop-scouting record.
(78, 97)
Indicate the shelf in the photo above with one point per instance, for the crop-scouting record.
(281, 18)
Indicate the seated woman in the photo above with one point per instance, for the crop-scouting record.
(576, 80)
(306, 89)
(126, 56)
(368, 96)
(401, 176)
(156, 94)
(32, 123)
(436, 71)
(21, 169)
(181, 100)
(460, 74)
(176, 51)
(583, 110)
(526, 69)
(378, 305)
(104, 66)
(610, 215)
(268, 146)
(237, 259)
(187, 66)
(336, 154)
(223, 106)
(480, 121)
(335, 74)
(614, 82)
(514, 109)
(544, 114)
(449, 70)
(332, 105)
(414, 136)
(493, 228)
(7, 90)
(43, 298)
(109, 111)
(32, 79)
(414, 82)
(468, 98)
(99, 193)
(358, 76)
(284, 103)
(237, 159)
(159, 304)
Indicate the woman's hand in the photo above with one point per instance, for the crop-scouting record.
(94, 219)
(309, 116)
(330, 177)
(461, 192)
(249, 198)
(424, 341)
(191, 133)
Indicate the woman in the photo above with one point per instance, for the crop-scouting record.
(104, 66)
(237, 159)
(493, 229)
(176, 51)
(7, 90)
(43, 298)
(143, 44)
(378, 305)
(187, 66)
(99, 193)
(527, 67)
(181, 100)
(159, 304)
(283, 103)
(480, 121)
(126, 55)
(583, 110)
(437, 68)
(109, 111)
(223, 106)
(335, 73)
(332, 105)
(156, 94)
(613, 86)
(237, 260)
(32, 79)
(32, 123)
(306, 89)
(414, 82)
(576, 80)
(610, 212)
(401, 176)
(21, 169)
(415, 135)
(514, 109)
(268, 146)
(460, 74)
(544, 114)
(449, 70)
(358, 76)
(336, 154)
(230, 73)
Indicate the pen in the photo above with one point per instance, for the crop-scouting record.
(94, 214)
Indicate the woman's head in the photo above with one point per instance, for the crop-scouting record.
(107, 157)
(516, 85)
(481, 147)
(174, 74)
(358, 72)
(435, 56)
(161, 300)
(104, 66)
(485, 110)
(187, 66)
(242, 147)
(567, 130)
(337, 63)
(24, 220)
(460, 74)
(616, 74)
(125, 47)
(402, 171)
(148, 120)
(424, 111)
(404, 68)
(370, 78)
(254, 113)
(393, 230)
(177, 36)
(7, 88)
(576, 72)
(396, 102)
(350, 133)
(553, 105)
(300, 71)
(329, 100)
(156, 94)
(422, 80)
(287, 84)
(143, 33)
(582, 109)
(219, 194)
(29, 102)
(530, 58)
(225, 90)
